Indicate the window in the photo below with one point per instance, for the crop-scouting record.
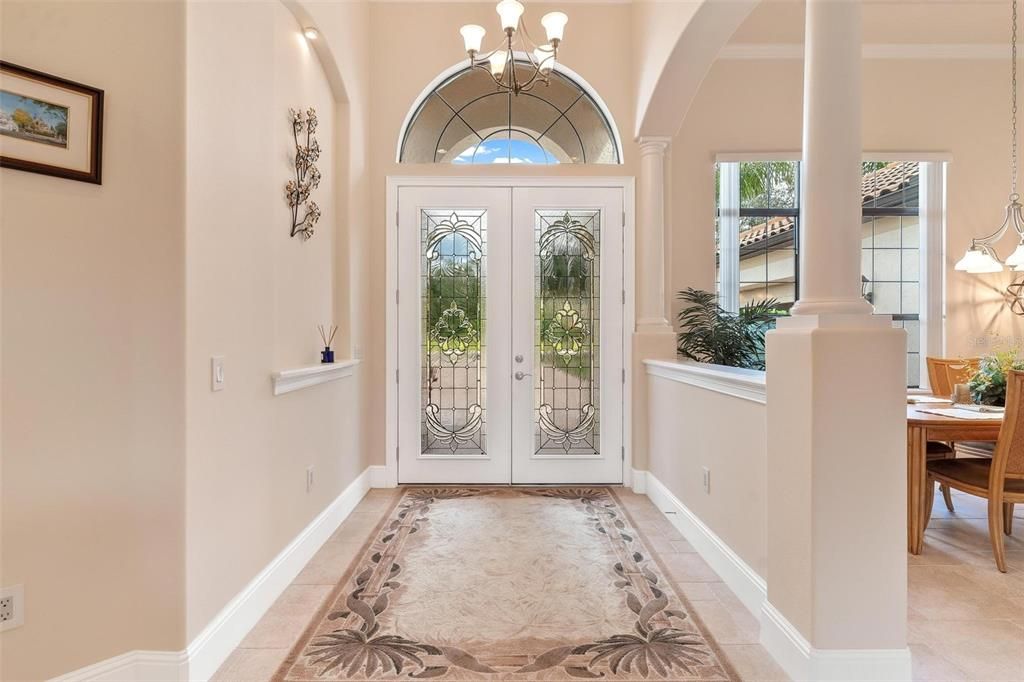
(757, 238)
(466, 120)
(758, 220)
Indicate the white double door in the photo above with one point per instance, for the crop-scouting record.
(510, 334)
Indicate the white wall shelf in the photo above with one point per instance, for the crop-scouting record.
(290, 380)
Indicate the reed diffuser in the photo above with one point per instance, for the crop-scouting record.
(327, 355)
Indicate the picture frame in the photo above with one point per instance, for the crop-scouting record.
(50, 125)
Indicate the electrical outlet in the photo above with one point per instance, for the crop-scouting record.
(309, 479)
(707, 481)
(12, 607)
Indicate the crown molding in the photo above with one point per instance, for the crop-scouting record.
(966, 51)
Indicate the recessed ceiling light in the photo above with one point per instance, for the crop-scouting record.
(311, 33)
(442, 151)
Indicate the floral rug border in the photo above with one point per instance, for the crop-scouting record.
(653, 631)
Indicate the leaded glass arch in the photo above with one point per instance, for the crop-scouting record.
(465, 119)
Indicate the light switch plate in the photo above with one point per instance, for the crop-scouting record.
(217, 373)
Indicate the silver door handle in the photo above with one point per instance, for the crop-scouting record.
(521, 375)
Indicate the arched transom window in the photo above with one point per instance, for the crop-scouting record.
(465, 119)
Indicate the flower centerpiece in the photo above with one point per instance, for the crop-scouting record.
(988, 385)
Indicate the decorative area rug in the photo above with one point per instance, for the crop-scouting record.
(505, 584)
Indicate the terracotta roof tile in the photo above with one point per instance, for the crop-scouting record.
(879, 183)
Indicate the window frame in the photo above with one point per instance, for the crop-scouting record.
(931, 214)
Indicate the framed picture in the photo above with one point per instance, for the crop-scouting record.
(50, 125)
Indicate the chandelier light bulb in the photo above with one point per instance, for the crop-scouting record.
(473, 36)
(554, 23)
(510, 11)
(498, 60)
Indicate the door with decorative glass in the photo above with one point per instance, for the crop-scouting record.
(510, 334)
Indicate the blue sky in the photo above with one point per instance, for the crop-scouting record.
(498, 150)
(10, 101)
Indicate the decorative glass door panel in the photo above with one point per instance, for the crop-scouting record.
(567, 268)
(509, 335)
(454, 334)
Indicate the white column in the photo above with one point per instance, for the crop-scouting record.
(837, 472)
(830, 198)
(650, 238)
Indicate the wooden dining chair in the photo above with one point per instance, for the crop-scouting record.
(943, 375)
(1000, 480)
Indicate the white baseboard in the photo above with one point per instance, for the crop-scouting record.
(134, 666)
(639, 482)
(379, 476)
(802, 662)
(215, 643)
(743, 580)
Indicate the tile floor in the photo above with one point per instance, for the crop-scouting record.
(966, 620)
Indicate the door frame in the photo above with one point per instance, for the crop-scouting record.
(394, 182)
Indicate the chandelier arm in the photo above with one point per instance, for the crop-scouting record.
(527, 40)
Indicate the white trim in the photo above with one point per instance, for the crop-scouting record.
(290, 380)
(394, 182)
(743, 580)
(379, 476)
(638, 478)
(932, 249)
(729, 236)
(464, 64)
(628, 324)
(790, 155)
(133, 666)
(795, 51)
(802, 662)
(748, 384)
(215, 643)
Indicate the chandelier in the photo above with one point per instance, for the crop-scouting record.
(981, 256)
(500, 63)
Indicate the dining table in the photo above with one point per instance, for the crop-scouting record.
(923, 426)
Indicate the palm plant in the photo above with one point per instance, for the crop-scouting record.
(713, 335)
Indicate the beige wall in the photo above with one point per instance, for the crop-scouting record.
(725, 434)
(93, 350)
(255, 296)
(950, 106)
(604, 64)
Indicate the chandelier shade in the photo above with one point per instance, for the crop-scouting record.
(473, 36)
(976, 261)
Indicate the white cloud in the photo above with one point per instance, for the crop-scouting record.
(477, 149)
(514, 159)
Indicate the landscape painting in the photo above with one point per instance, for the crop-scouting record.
(32, 119)
(50, 125)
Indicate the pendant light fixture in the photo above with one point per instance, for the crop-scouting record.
(500, 63)
(981, 257)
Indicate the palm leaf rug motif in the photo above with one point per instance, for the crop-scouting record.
(372, 628)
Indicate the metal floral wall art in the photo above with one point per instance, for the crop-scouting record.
(307, 175)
